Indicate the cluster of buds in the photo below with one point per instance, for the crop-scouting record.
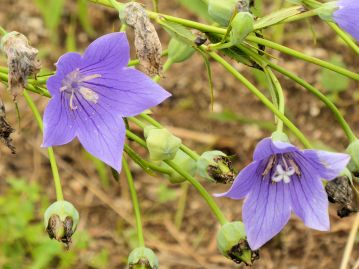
(61, 220)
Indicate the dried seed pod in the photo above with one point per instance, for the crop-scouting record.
(340, 192)
(21, 59)
(147, 44)
(5, 130)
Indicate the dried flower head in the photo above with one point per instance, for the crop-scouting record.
(147, 44)
(21, 59)
(5, 129)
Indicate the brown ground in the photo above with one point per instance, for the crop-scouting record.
(106, 213)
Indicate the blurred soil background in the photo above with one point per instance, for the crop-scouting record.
(106, 231)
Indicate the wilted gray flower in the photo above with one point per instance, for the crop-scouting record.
(21, 59)
(147, 44)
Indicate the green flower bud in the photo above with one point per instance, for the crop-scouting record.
(325, 11)
(179, 51)
(162, 145)
(147, 129)
(353, 151)
(242, 25)
(61, 220)
(221, 11)
(232, 243)
(142, 257)
(215, 166)
(186, 163)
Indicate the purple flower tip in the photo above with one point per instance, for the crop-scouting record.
(347, 16)
(90, 95)
(280, 179)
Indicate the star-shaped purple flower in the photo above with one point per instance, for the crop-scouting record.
(347, 16)
(91, 93)
(280, 179)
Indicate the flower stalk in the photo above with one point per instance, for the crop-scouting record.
(135, 204)
(50, 151)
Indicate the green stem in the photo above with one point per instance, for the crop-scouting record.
(55, 171)
(304, 57)
(344, 36)
(136, 207)
(217, 30)
(184, 148)
(338, 116)
(261, 97)
(202, 191)
(345, 126)
(2, 31)
(279, 91)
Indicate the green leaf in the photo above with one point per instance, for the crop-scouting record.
(180, 32)
(199, 7)
(278, 16)
(332, 81)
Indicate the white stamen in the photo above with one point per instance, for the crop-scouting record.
(282, 174)
(89, 94)
(72, 106)
(87, 78)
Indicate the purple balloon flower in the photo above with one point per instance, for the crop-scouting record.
(280, 179)
(347, 16)
(91, 93)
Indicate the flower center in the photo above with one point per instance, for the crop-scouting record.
(72, 84)
(281, 167)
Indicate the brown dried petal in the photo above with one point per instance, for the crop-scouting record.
(6, 130)
(147, 44)
(21, 59)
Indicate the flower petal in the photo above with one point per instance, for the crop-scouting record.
(244, 182)
(308, 197)
(347, 17)
(267, 147)
(101, 132)
(328, 165)
(129, 92)
(59, 124)
(106, 54)
(265, 212)
(65, 65)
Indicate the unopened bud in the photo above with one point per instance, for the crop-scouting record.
(242, 25)
(215, 166)
(222, 11)
(61, 220)
(142, 257)
(186, 163)
(179, 51)
(353, 151)
(232, 243)
(161, 144)
(325, 11)
(340, 192)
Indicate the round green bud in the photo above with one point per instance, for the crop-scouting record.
(147, 129)
(325, 11)
(232, 243)
(215, 166)
(61, 220)
(242, 25)
(186, 163)
(179, 51)
(162, 145)
(353, 151)
(221, 11)
(280, 136)
(142, 257)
